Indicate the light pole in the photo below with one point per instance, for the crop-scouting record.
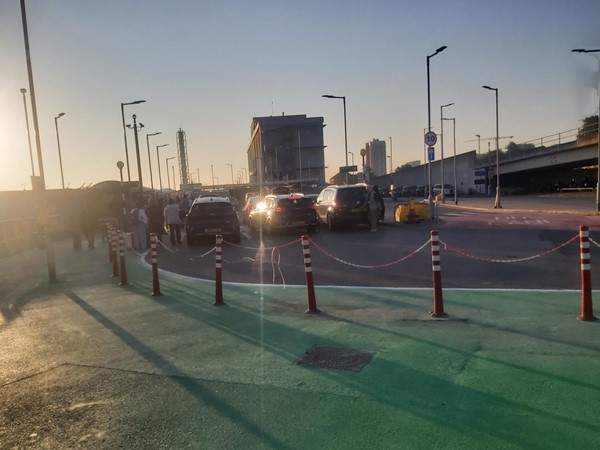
(497, 202)
(231, 166)
(352, 154)
(442, 148)
(135, 127)
(158, 164)
(343, 97)
(478, 136)
(168, 177)
(391, 160)
(137, 102)
(583, 50)
(150, 159)
(454, 161)
(62, 178)
(120, 166)
(430, 199)
(23, 91)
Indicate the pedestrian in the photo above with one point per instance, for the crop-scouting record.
(173, 221)
(373, 207)
(88, 220)
(381, 204)
(155, 219)
(139, 225)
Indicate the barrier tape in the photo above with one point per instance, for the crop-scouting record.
(594, 242)
(376, 266)
(527, 258)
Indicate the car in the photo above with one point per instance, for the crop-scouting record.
(422, 191)
(409, 191)
(396, 193)
(286, 211)
(448, 189)
(251, 203)
(210, 216)
(343, 205)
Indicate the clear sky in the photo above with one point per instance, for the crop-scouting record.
(210, 66)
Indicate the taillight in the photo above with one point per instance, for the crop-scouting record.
(314, 206)
(278, 209)
(249, 207)
(333, 204)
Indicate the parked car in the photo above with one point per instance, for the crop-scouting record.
(409, 191)
(337, 205)
(278, 212)
(396, 193)
(210, 216)
(448, 189)
(422, 191)
(251, 203)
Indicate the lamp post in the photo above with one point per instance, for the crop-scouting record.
(135, 127)
(454, 161)
(137, 102)
(391, 157)
(478, 136)
(120, 166)
(231, 166)
(23, 91)
(430, 199)
(62, 178)
(442, 148)
(343, 97)
(497, 202)
(150, 159)
(352, 154)
(168, 177)
(158, 164)
(583, 50)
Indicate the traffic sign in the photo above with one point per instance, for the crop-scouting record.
(346, 169)
(430, 138)
(430, 153)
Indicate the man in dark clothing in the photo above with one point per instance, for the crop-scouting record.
(379, 198)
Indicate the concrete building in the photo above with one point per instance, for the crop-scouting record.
(287, 149)
(376, 157)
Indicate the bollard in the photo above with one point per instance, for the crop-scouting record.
(587, 312)
(310, 285)
(438, 301)
(109, 240)
(113, 246)
(122, 258)
(218, 275)
(154, 261)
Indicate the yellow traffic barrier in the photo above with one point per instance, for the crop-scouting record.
(403, 214)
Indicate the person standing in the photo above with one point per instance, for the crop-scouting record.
(379, 198)
(373, 207)
(173, 221)
(140, 227)
(88, 220)
(155, 219)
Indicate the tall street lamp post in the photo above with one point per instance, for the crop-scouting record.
(150, 159)
(62, 178)
(158, 165)
(120, 166)
(168, 177)
(137, 102)
(352, 154)
(430, 194)
(497, 202)
(442, 149)
(231, 166)
(454, 160)
(583, 50)
(135, 127)
(23, 91)
(343, 97)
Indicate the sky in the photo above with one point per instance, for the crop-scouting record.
(208, 67)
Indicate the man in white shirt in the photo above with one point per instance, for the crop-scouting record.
(173, 221)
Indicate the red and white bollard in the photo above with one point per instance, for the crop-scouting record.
(109, 240)
(218, 272)
(310, 285)
(113, 246)
(587, 312)
(154, 261)
(438, 301)
(122, 258)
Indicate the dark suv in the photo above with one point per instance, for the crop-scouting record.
(347, 204)
(210, 216)
(278, 212)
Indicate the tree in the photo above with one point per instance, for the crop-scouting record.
(589, 128)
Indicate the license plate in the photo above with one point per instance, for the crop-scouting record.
(212, 230)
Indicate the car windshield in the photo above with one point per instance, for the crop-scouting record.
(210, 209)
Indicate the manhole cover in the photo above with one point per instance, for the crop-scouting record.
(335, 358)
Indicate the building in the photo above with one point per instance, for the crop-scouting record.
(287, 149)
(376, 157)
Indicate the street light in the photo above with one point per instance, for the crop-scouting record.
(454, 147)
(120, 166)
(62, 178)
(343, 97)
(430, 194)
(150, 159)
(352, 154)
(442, 148)
(23, 91)
(497, 202)
(231, 166)
(137, 102)
(158, 164)
(478, 136)
(583, 50)
(135, 127)
(168, 177)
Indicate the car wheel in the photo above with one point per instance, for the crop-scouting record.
(330, 224)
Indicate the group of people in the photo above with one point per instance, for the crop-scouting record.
(154, 218)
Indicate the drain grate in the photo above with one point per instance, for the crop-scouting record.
(335, 358)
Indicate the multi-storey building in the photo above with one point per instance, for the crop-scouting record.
(376, 157)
